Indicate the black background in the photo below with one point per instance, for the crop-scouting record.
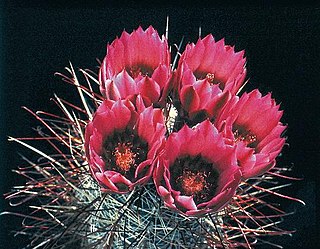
(282, 44)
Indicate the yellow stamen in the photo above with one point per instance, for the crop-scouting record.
(210, 78)
(192, 183)
(247, 137)
(125, 158)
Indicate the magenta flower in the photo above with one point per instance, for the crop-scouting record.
(252, 123)
(197, 172)
(136, 63)
(121, 144)
(200, 100)
(214, 62)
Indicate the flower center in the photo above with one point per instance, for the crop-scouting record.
(244, 136)
(139, 70)
(123, 152)
(192, 183)
(125, 158)
(210, 77)
(194, 176)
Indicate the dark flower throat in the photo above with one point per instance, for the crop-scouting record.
(136, 70)
(194, 176)
(123, 152)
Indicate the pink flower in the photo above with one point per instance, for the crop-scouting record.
(197, 172)
(214, 62)
(136, 63)
(252, 123)
(201, 101)
(121, 144)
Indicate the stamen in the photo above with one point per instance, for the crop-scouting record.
(123, 151)
(125, 158)
(136, 71)
(192, 183)
(210, 78)
(246, 137)
(194, 176)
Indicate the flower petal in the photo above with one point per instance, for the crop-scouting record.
(189, 98)
(149, 88)
(122, 115)
(185, 202)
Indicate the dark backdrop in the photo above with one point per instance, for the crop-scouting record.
(282, 50)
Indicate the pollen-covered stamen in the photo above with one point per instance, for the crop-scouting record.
(139, 70)
(124, 157)
(123, 152)
(192, 183)
(210, 77)
(194, 176)
(245, 136)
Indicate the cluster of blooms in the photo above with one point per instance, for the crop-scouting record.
(217, 138)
